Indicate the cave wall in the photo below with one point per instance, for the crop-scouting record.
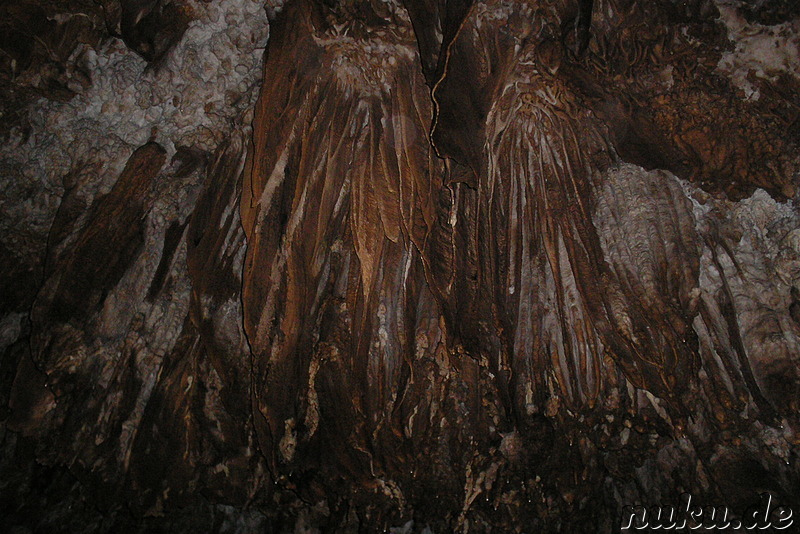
(360, 265)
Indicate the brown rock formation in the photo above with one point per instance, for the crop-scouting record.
(490, 266)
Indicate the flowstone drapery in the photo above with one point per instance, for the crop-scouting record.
(461, 265)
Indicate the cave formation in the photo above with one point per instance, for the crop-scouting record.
(396, 265)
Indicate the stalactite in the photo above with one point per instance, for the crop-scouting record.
(432, 265)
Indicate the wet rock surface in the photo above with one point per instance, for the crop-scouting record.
(438, 266)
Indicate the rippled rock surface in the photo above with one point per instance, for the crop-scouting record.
(407, 266)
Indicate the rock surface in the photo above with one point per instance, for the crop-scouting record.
(417, 266)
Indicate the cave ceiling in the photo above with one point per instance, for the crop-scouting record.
(385, 265)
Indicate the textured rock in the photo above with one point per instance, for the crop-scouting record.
(490, 266)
